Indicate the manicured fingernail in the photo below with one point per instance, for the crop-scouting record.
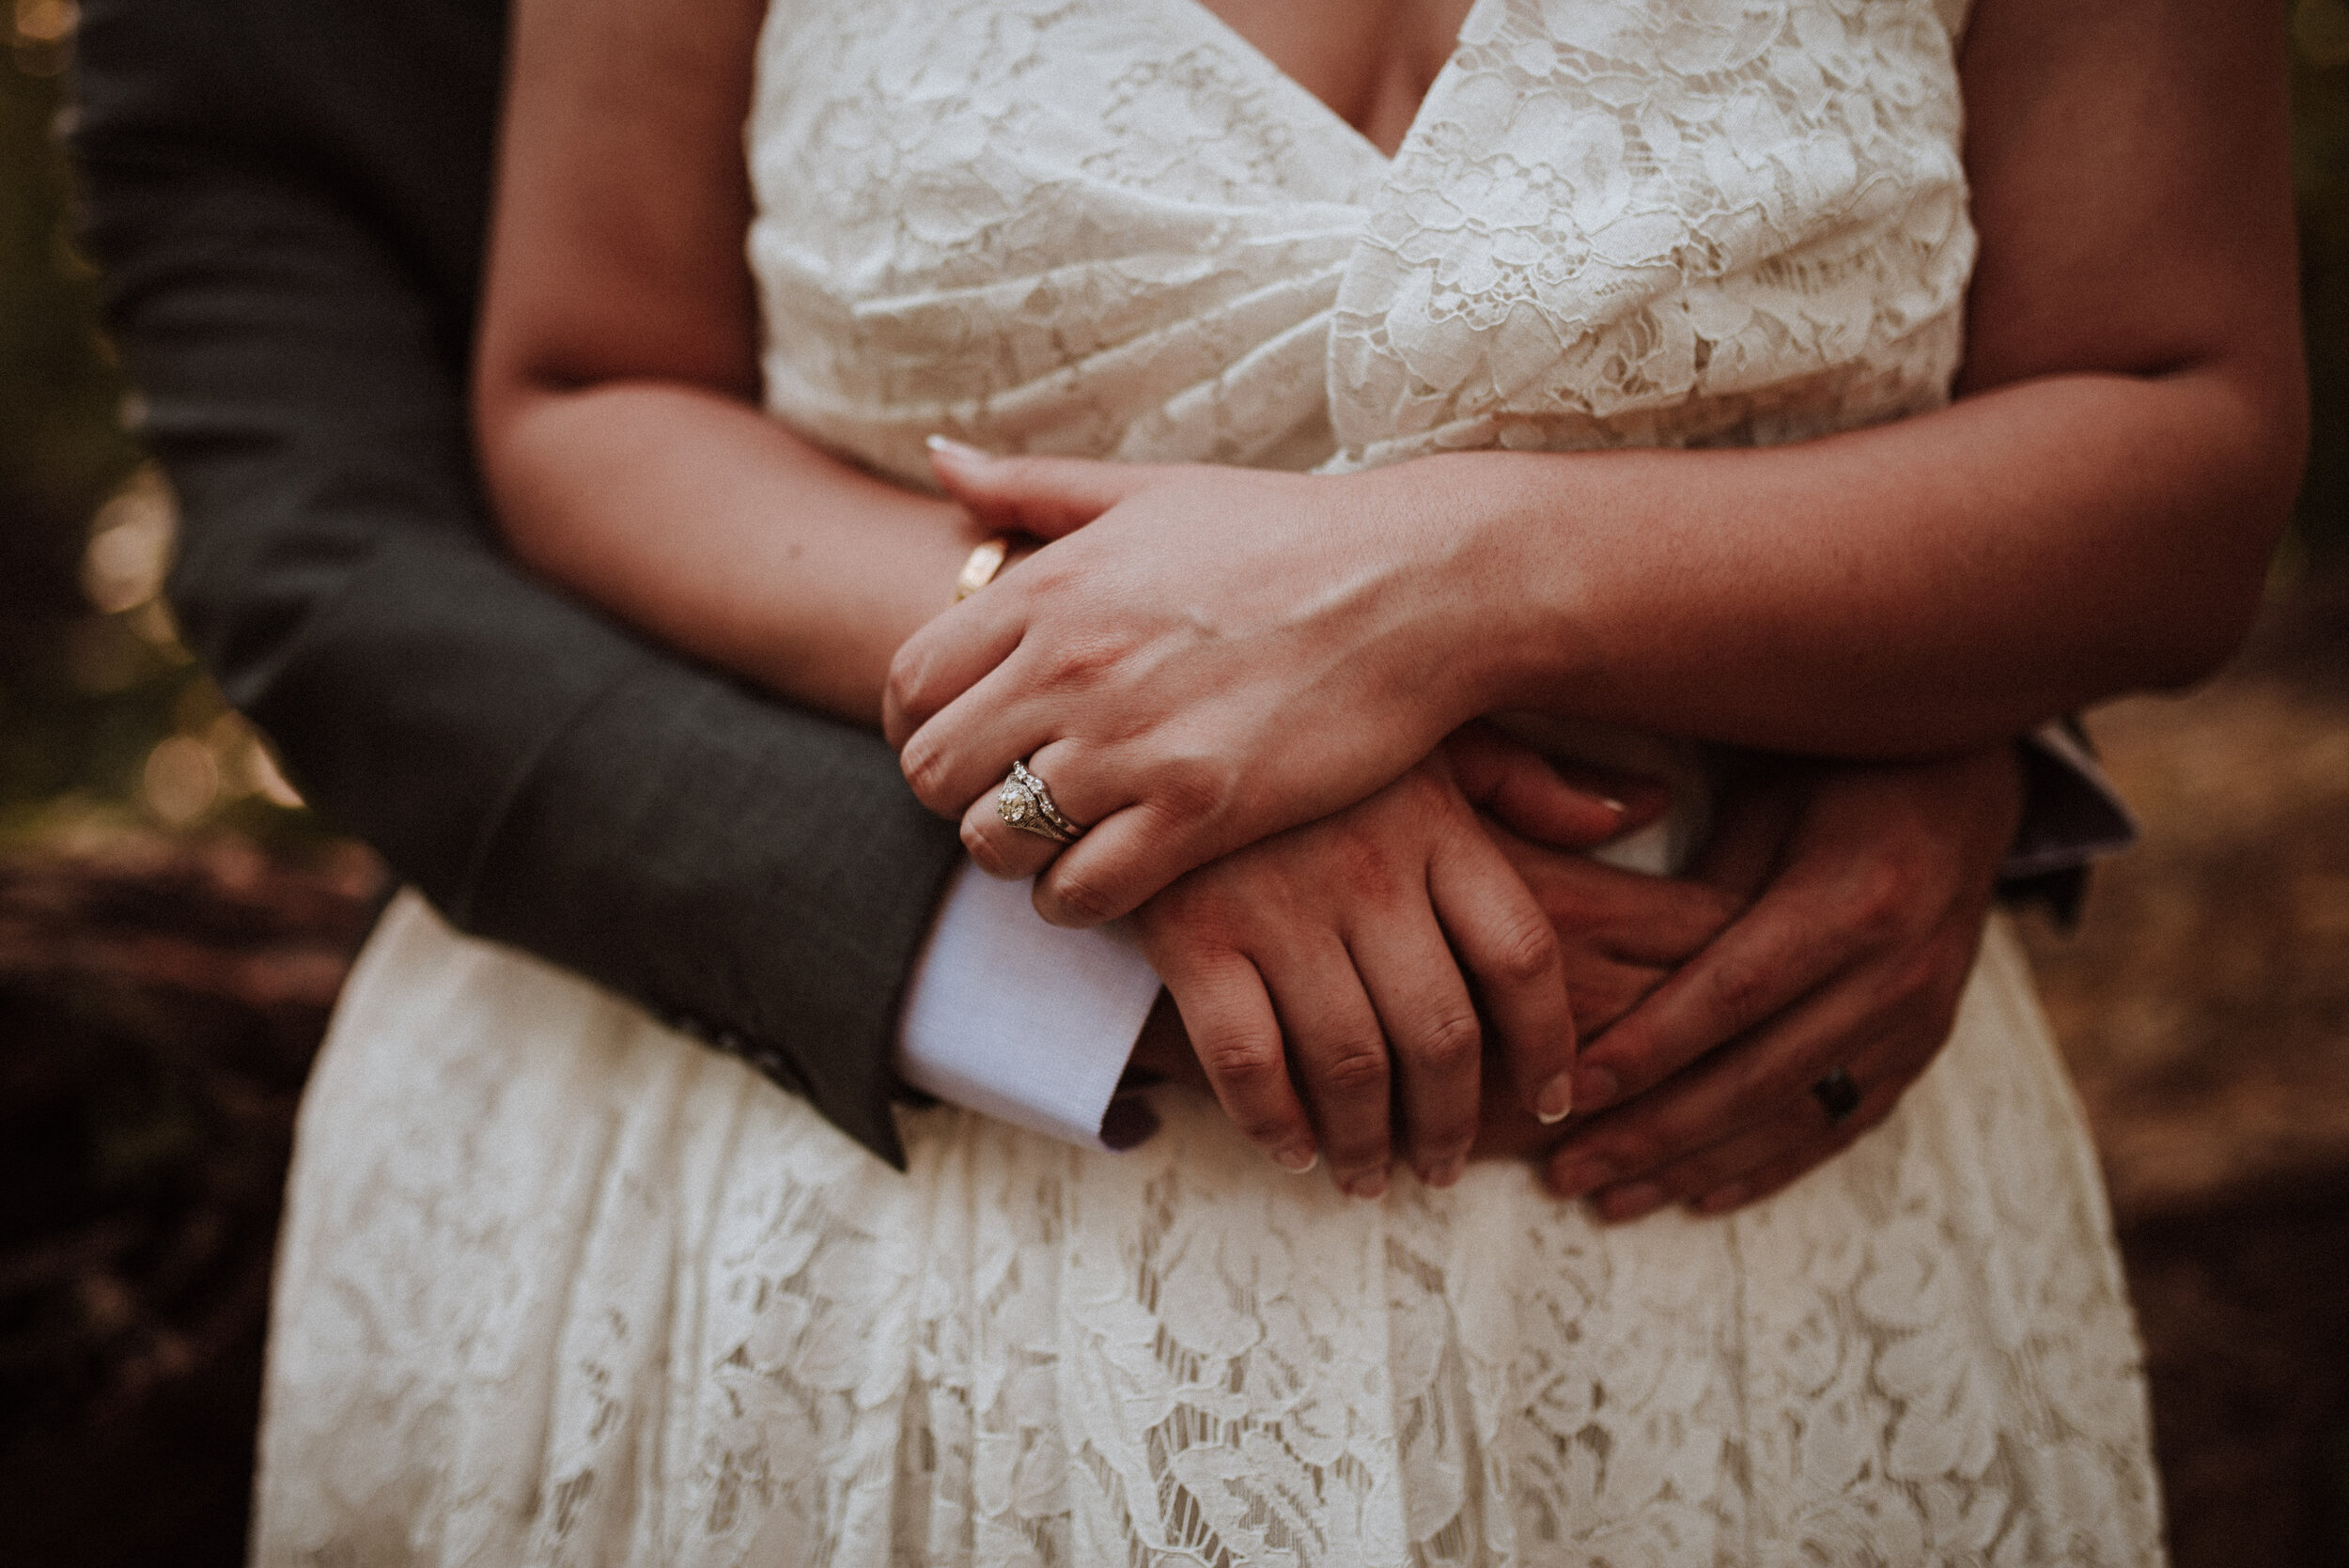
(1370, 1184)
(1594, 1088)
(1556, 1100)
(1298, 1160)
(1581, 1176)
(946, 446)
(1629, 1203)
(1721, 1198)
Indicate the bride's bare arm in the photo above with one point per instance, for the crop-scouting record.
(2092, 515)
(617, 389)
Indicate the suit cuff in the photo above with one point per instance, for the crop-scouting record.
(1022, 1020)
(2072, 814)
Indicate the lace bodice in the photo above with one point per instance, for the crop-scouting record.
(1115, 228)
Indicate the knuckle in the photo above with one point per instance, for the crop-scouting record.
(1882, 899)
(1190, 791)
(1426, 793)
(1735, 989)
(1452, 1040)
(1772, 1080)
(906, 686)
(926, 767)
(1080, 660)
(984, 852)
(1242, 1058)
(1189, 912)
(1525, 950)
(1356, 1067)
(1360, 864)
(1081, 897)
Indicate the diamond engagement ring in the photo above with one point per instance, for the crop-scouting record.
(1027, 805)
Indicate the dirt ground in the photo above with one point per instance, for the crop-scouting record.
(159, 1004)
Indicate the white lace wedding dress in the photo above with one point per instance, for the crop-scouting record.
(559, 1286)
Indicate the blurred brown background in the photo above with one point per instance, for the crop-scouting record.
(173, 929)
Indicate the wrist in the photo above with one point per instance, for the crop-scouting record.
(1501, 589)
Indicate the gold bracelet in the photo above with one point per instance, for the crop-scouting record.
(980, 570)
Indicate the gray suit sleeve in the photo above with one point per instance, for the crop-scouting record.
(758, 876)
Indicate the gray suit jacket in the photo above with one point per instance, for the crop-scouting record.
(288, 198)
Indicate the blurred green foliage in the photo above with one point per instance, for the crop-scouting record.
(62, 452)
(101, 711)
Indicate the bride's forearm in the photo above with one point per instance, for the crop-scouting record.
(617, 379)
(1919, 587)
(699, 520)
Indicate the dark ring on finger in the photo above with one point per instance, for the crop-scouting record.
(1837, 1095)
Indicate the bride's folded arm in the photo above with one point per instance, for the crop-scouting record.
(2093, 514)
(616, 381)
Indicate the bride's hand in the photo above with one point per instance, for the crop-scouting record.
(1205, 656)
(1320, 961)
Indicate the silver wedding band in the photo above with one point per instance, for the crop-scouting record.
(1027, 805)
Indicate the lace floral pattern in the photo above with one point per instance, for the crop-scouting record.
(560, 1287)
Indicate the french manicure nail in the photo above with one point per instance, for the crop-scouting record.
(1556, 1100)
(1594, 1088)
(1299, 1160)
(948, 448)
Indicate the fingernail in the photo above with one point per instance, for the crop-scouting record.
(1608, 801)
(1629, 1203)
(1721, 1198)
(1594, 1088)
(1581, 1176)
(1446, 1174)
(1366, 1186)
(1556, 1100)
(1298, 1160)
(946, 446)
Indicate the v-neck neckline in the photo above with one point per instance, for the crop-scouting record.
(1243, 44)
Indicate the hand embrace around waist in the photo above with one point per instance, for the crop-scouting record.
(1802, 1024)
(1830, 927)
(1239, 683)
(1205, 656)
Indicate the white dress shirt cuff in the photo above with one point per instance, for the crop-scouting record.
(1022, 1020)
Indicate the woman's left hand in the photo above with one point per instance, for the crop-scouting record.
(1206, 656)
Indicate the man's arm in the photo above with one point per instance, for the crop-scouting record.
(292, 293)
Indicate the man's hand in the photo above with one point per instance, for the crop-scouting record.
(1869, 886)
